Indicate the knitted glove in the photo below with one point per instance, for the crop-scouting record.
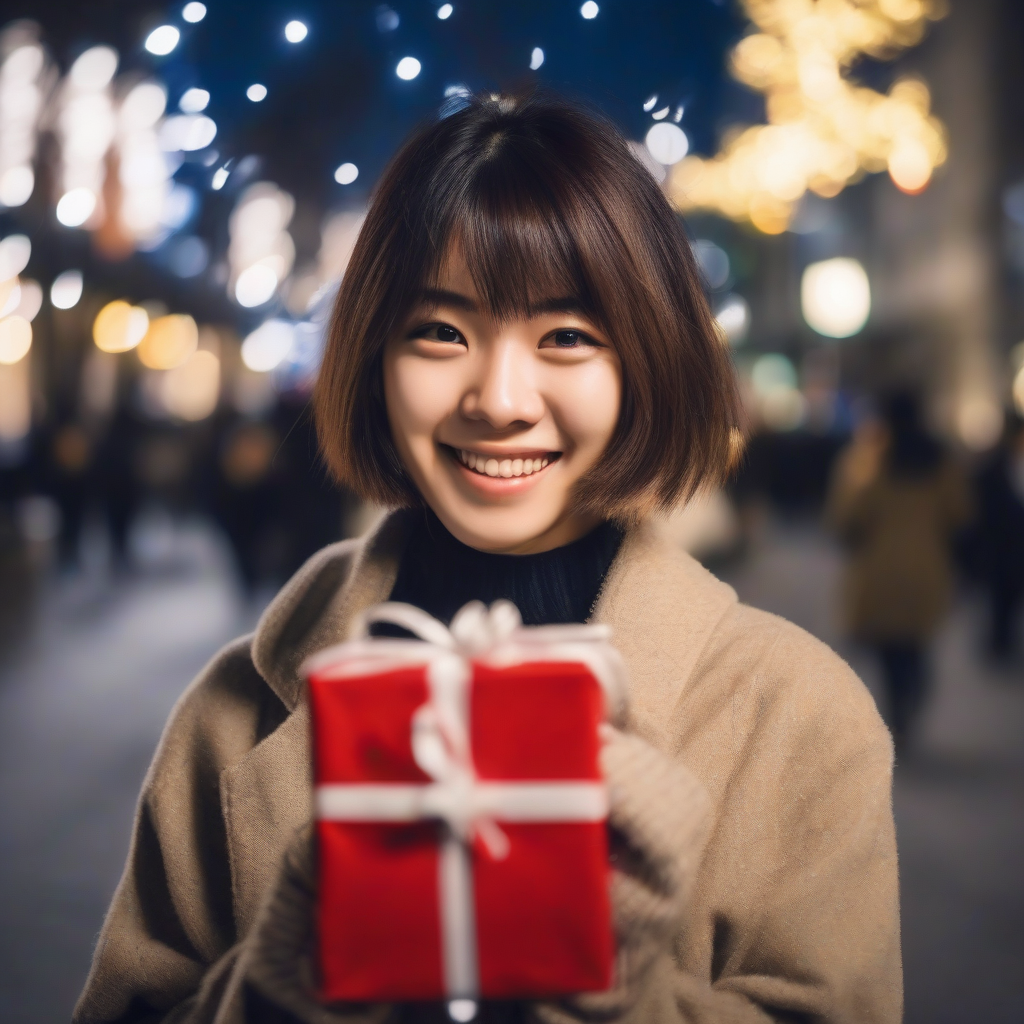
(282, 945)
(659, 824)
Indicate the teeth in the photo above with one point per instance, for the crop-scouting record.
(503, 468)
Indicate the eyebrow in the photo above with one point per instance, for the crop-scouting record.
(456, 300)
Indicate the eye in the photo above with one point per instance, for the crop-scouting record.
(438, 332)
(568, 338)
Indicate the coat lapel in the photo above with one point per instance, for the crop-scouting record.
(662, 606)
(267, 795)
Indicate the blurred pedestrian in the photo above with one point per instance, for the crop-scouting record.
(999, 541)
(897, 500)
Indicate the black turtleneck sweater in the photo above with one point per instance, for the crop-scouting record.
(440, 574)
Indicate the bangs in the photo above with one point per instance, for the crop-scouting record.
(510, 224)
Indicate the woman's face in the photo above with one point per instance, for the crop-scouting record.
(497, 422)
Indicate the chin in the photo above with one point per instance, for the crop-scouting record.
(505, 531)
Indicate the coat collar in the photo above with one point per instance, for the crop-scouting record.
(662, 606)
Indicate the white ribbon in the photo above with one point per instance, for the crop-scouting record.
(441, 747)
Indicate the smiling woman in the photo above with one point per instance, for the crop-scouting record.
(522, 363)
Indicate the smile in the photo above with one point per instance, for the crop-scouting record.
(490, 465)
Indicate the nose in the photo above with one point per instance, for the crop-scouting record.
(503, 391)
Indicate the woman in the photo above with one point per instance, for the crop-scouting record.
(522, 362)
(897, 501)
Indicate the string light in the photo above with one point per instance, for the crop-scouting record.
(295, 31)
(824, 128)
(21, 101)
(835, 297)
(346, 174)
(408, 68)
(256, 92)
(161, 41)
(193, 12)
(589, 10)
(119, 327)
(444, 12)
(66, 289)
(536, 58)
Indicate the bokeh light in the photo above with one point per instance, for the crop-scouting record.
(219, 179)
(346, 174)
(667, 143)
(187, 132)
(444, 12)
(256, 92)
(161, 41)
(15, 252)
(589, 10)
(191, 390)
(256, 285)
(22, 92)
(30, 300)
(194, 100)
(193, 12)
(16, 185)
(408, 68)
(713, 261)
(536, 58)
(66, 289)
(733, 319)
(267, 346)
(779, 401)
(15, 339)
(119, 326)
(295, 31)
(835, 297)
(94, 69)
(74, 208)
(169, 341)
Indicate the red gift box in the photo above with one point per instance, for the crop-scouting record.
(461, 811)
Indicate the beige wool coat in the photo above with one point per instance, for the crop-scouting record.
(795, 912)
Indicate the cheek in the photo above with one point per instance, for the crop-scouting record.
(419, 395)
(586, 403)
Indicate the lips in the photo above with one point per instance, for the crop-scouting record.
(492, 466)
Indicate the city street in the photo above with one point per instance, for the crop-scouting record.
(89, 680)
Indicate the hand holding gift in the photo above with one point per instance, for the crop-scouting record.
(498, 727)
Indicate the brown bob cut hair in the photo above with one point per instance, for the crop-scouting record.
(543, 199)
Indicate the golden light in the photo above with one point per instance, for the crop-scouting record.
(1018, 392)
(15, 339)
(169, 341)
(824, 129)
(119, 326)
(835, 297)
(190, 391)
(910, 167)
(15, 400)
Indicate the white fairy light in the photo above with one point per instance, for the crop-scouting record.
(161, 41)
(346, 174)
(295, 31)
(256, 92)
(193, 12)
(193, 101)
(536, 58)
(66, 289)
(444, 12)
(408, 68)
(589, 10)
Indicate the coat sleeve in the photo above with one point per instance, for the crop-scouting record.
(172, 918)
(796, 912)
